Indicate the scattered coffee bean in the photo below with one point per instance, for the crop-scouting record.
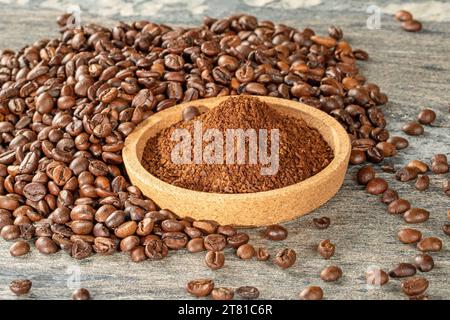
(326, 249)
(137, 254)
(222, 294)
(439, 164)
(416, 215)
(246, 251)
(430, 244)
(214, 259)
(398, 206)
(81, 294)
(424, 262)
(402, 270)
(415, 286)
(398, 142)
(285, 258)
(311, 293)
(403, 15)
(409, 235)
(365, 174)
(422, 183)
(248, 292)
(413, 128)
(275, 233)
(411, 25)
(215, 242)
(262, 254)
(389, 196)
(331, 273)
(376, 186)
(155, 249)
(20, 287)
(46, 245)
(406, 174)
(426, 116)
(357, 157)
(387, 149)
(238, 240)
(11, 232)
(195, 245)
(19, 248)
(377, 277)
(200, 287)
(418, 165)
(322, 222)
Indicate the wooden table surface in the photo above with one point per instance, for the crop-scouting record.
(413, 69)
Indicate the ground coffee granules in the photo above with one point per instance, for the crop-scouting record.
(302, 150)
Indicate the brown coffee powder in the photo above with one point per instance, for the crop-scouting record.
(302, 150)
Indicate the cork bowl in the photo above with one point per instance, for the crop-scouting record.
(244, 209)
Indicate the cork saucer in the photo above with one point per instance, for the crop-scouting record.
(247, 209)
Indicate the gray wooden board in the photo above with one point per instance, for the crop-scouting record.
(413, 69)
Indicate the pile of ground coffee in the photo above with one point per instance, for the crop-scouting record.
(302, 150)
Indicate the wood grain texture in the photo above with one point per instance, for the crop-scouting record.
(413, 69)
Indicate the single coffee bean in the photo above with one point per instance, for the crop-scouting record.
(19, 248)
(402, 270)
(311, 293)
(175, 240)
(81, 249)
(411, 25)
(138, 254)
(426, 116)
(127, 244)
(376, 186)
(406, 174)
(34, 191)
(200, 287)
(413, 128)
(172, 225)
(424, 262)
(190, 113)
(195, 245)
(326, 249)
(285, 258)
(238, 240)
(215, 242)
(389, 196)
(126, 229)
(386, 148)
(275, 232)
(214, 259)
(222, 294)
(415, 286)
(331, 273)
(416, 215)
(409, 235)
(403, 15)
(206, 226)
(398, 142)
(81, 294)
(46, 245)
(398, 206)
(155, 249)
(246, 251)
(422, 183)
(376, 277)
(418, 165)
(10, 232)
(262, 254)
(357, 157)
(374, 155)
(20, 287)
(430, 244)
(248, 292)
(322, 223)
(227, 230)
(439, 164)
(365, 174)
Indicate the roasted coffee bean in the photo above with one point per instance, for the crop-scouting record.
(175, 240)
(104, 245)
(408, 235)
(275, 233)
(155, 249)
(374, 155)
(19, 248)
(262, 254)
(115, 219)
(238, 240)
(10, 232)
(376, 186)
(388, 168)
(172, 225)
(376, 277)
(398, 206)
(206, 226)
(222, 294)
(190, 113)
(365, 174)
(439, 164)
(195, 245)
(322, 223)
(285, 258)
(446, 229)
(128, 243)
(387, 149)
(126, 229)
(248, 292)
(215, 242)
(414, 286)
(402, 270)
(403, 15)
(81, 294)
(430, 244)
(398, 142)
(413, 128)
(34, 191)
(389, 196)
(326, 249)
(426, 116)
(200, 287)
(311, 293)
(81, 249)
(406, 174)
(411, 25)
(424, 262)
(335, 32)
(416, 215)
(214, 259)
(331, 273)
(357, 157)
(46, 245)
(227, 230)
(422, 183)
(138, 254)
(246, 251)
(20, 287)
